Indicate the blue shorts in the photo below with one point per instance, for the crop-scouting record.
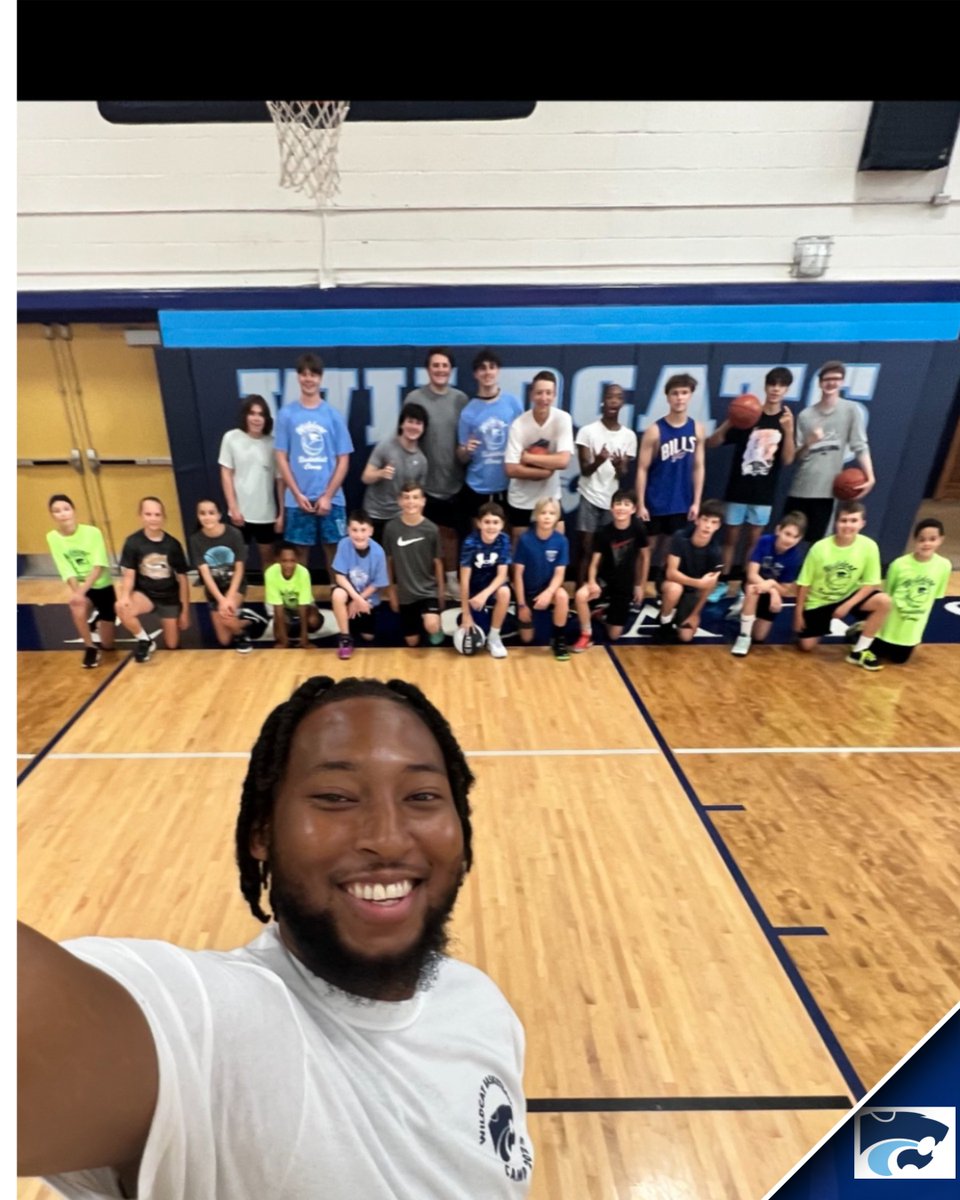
(307, 529)
(752, 514)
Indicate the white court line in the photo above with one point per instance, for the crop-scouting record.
(819, 750)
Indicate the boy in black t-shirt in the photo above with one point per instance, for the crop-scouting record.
(693, 569)
(153, 572)
(759, 453)
(618, 570)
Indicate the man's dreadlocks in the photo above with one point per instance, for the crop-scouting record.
(268, 761)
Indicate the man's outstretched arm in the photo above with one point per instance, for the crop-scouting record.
(87, 1065)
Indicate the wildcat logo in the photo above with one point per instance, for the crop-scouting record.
(498, 1129)
(839, 578)
(905, 1143)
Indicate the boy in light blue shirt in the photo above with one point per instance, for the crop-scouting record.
(482, 435)
(360, 570)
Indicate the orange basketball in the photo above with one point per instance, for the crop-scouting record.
(848, 482)
(538, 449)
(744, 411)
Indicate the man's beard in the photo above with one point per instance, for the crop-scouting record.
(318, 945)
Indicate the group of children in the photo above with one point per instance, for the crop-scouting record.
(839, 577)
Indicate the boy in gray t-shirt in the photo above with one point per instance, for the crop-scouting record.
(392, 463)
(415, 567)
(825, 431)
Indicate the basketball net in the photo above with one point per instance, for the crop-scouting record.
(308, 132)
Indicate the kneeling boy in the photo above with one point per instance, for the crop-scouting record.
(840, 575)
(360, 570)
(913, 583)
(286, 586)
(694, 565)
(539, 567)
(618, 570)
(415, 567)
(772, 570)
(484, 561)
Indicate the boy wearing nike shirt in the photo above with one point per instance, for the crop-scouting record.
(840, 575)
(415, 567)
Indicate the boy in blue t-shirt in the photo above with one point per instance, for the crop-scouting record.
(772, 571)
(360, 570)
(482, 435)
(540, 564)
(484, 559)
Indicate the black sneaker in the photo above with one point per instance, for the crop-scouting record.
(91, 657)
(241, 643)
(561, 651)
(144, 650)
(666, 634)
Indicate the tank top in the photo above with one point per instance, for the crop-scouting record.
(670, 479)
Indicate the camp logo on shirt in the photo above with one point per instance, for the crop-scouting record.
(155, 566)
(840, 577)
(313, 444)
(498, 1129)
(912, 595)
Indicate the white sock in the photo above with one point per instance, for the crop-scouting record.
(746, 625)
(863, 643)
(143, 636)
(494, 631)
(666, 617)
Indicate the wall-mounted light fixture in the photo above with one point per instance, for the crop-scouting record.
(811, 257)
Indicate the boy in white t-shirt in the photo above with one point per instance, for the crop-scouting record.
(539, 448)
(608, 453)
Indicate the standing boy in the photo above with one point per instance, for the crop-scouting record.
(443, 404)
(415, 568)
(360, 569)
(313, 448)
(692, 570)
(758, 456)
(608, 453)
(825, 431)
(618, 570)
(482, 436)
(484, 561)
(286, 587)
(913, 583)
(840, 575)
(539, 447)
(771, 575)
(393, 462)
(670, 467)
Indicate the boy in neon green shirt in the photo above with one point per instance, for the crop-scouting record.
(81, 559)
(842, 574)
(913, 583)
(286, 586)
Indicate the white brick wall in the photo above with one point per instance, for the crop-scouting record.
(644, 192)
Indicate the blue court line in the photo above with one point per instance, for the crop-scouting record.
(830, 1040)
(724, 808)
(800, 931)
(42, 754)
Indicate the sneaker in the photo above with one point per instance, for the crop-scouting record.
(241, 643)
(91, 657)
(853, 631)
(495, 646)
(742, 645)
(345, 649)
(583, 642)
(736, 608)
(561, 651)
(257, 623)
(866, 659)
(144, 650)
(666, 634)
(599, 610)
(718, 592)
(436, 639)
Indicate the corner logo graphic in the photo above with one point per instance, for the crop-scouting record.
(498, 1129)
(905, 1143)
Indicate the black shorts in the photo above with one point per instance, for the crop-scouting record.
(471, 502)
(763, 607)
(412, 614)
(890, 651)
(689, 599)
(666, 524)
(363, 623)
(104, 602)
(215, 604)
(519, 517)
(618, 604)
(448, 514)
(818, 513)
(816, 621)
(264, 534)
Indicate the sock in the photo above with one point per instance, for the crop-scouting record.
(746, 625)
(666, 617)
(143, 636)
(863, 643)
(495, 631)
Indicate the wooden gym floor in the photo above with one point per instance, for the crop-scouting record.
(721, 894)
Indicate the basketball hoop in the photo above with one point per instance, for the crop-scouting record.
(308, 132)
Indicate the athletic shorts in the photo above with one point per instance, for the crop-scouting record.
(263, 534)
(763, 608)
(104, 602)
(668, 523)
(308, 529)
(363, 623)
(519, 517)
(751, 514)
(591, 517)
(166, 612)
(215, 604)
(890, 651)
(471, 502)
(448, 513)
(816, 621)
(412, 614)
(618, 604)
(689, 599)
(492, 600)
(818, 513)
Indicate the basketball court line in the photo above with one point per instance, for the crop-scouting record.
(577, 1104)
(800, 931)
(683, 750)
(820, 1022)
(45, 750)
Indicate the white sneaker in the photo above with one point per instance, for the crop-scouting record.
(496, 646)
(742, 645)
(736, 608)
